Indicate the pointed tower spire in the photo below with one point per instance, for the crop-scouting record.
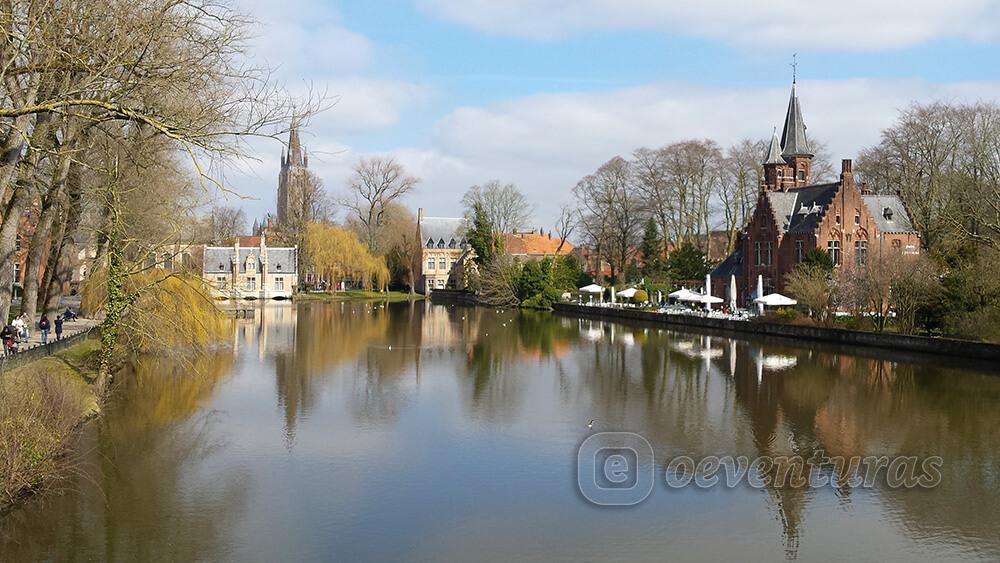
(773, 155)
(294, 145)
(793, 136)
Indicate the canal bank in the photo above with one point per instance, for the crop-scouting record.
(46, 393)
(966, 350)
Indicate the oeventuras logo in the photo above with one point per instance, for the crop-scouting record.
(615, 469)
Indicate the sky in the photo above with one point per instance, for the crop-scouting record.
(540, 93)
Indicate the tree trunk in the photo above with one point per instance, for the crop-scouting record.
(19, 201)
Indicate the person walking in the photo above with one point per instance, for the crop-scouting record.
(7, 340)
(18, 325)
(59, 327)
(43, 327)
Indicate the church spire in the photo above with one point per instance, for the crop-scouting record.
(793, 136)
(294, 145)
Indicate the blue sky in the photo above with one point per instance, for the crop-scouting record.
(541, 92)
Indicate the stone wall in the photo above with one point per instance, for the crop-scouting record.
(920, 344)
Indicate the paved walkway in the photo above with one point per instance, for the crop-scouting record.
(69, 329)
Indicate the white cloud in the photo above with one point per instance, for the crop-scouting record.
(843, 25)
(546, 143)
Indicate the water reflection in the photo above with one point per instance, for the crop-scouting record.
(324, 410)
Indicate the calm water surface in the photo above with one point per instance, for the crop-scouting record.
(415, 432)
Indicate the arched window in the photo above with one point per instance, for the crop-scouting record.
(802, 174)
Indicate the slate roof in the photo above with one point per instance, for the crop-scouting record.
(800, 210)
(731, 266)
(773, 155)
(446, 230)
(279, 259)
(793, 136)
(898, 220)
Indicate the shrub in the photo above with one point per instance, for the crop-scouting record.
(640, 296)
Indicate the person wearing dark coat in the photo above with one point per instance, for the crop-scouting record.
(43, 326)
(7, 339)
(59, 327)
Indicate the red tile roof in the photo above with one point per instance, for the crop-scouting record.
(534, 244)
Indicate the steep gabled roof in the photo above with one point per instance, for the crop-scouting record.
(889, 213)
(442, 229)
(800, 210)
(782, 207)
(810, 206)
(731, 266)
(793, 136)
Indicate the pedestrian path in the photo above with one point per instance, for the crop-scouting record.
(69, 329)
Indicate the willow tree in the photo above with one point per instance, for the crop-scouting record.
(336, 254)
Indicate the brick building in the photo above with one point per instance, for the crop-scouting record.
(794, 216)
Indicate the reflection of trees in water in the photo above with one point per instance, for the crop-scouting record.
(135, 496)
(326, 336)
(953, 415)
(503, 348)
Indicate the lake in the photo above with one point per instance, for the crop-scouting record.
(421, 432)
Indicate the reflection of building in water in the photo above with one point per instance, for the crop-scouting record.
(270, 331)
(444, 325)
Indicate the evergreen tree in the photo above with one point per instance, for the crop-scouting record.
(481, 236)
(687, 263)
(652, 251)
(818, 258)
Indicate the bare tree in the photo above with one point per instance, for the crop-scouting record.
(565, 225)
(739, 185)
(505, 206)
(376, 183)
(612, 212)
(226, 223)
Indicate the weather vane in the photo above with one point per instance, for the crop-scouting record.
(795, 67)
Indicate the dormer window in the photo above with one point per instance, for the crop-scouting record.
(277, 266)
(887, 213)
(222, 266)
(430, 243)
(452, 244)
(441, 243)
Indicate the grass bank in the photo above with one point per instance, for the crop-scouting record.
(356, 295)
(41, 405)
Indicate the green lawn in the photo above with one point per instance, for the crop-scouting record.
(356, 295)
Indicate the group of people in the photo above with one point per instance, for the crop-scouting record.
(18, 330)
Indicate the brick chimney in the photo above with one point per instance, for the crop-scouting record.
(846, 167)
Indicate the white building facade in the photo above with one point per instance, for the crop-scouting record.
(251, 271)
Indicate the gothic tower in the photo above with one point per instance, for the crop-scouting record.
(294, 172)
(792, 166)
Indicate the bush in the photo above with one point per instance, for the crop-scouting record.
(640, 296)
(543, 300)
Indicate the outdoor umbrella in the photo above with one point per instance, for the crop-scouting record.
(593, 289)
(627, 293)
(775, 300)
(732, 293)
(682, 292)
